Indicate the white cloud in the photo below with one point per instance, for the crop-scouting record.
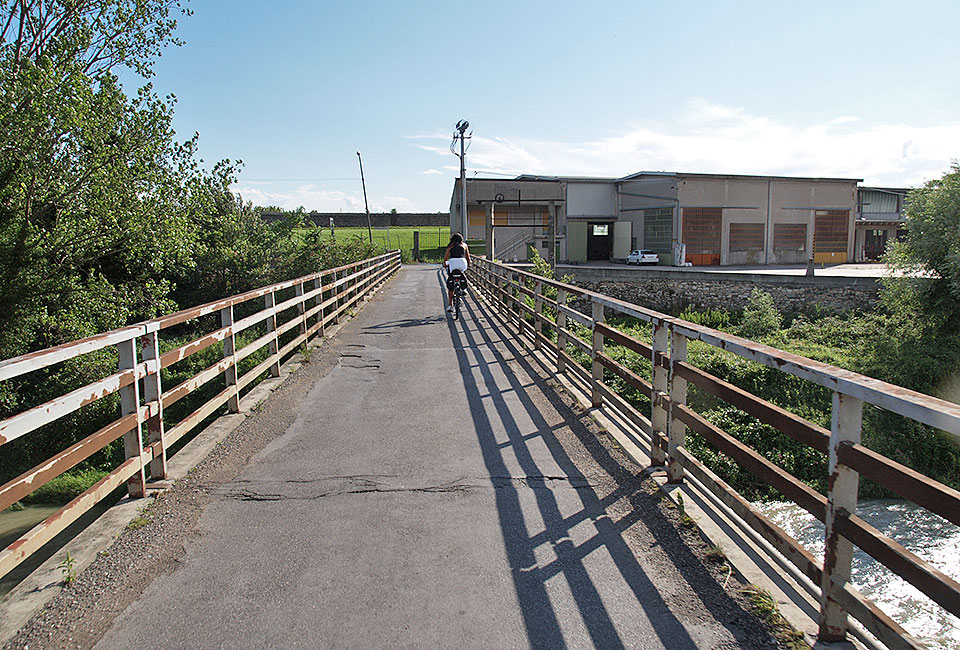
(313, 198)
(433, 172)
(712, 138)
(308, 196)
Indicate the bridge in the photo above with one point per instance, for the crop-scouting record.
(419, 481)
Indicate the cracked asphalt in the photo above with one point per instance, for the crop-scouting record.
(417, 484)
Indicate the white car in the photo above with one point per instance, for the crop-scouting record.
(643, 257)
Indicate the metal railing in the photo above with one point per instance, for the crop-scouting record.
(314, 302)
(523, 301)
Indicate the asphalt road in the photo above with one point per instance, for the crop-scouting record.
(431, 492)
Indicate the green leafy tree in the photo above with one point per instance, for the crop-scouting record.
(927, 259)
(92, 185)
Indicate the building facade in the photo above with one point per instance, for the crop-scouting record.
(702, 219)
(879, 220)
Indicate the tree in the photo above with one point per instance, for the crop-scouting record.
(93, 188)
(927, 259)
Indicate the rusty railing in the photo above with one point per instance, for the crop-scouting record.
(520, 297)
(282, 316)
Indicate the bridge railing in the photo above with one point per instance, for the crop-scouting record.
(278, 318)
(534, 304)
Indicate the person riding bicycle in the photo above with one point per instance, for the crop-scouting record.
(456, 260)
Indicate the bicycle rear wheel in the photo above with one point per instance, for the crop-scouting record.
(456, 305)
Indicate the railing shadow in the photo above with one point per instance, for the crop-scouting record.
(404, 323)
(716, 600)
(544, 630)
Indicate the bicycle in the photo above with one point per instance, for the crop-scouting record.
(459, 286)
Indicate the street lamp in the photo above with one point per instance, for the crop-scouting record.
(460, 133)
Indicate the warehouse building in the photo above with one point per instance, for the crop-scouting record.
(702, 219)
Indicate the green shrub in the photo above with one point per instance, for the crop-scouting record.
(760, 318)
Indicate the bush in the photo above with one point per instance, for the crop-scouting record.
(761, 319)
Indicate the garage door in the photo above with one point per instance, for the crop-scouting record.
(701, 234)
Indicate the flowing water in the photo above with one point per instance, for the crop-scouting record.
(927, 535)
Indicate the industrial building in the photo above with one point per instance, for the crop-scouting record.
(702, 219)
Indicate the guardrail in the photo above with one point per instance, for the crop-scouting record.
(827, 579)
(316, 301)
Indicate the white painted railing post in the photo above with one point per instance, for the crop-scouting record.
(561, 326)
(503, 300)
(318, 288)
(301, 308)
(658, 414)
(596, 374)
(537, 312)
(130, 404)
(337, 290)
(518, 301)
(153, 392)
(229, 353)
(269, 302)
(678, 395)
(842, 489)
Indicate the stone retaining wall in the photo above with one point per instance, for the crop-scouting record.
(671, 292)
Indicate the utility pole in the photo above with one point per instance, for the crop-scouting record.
(460, 133)
(367, 207)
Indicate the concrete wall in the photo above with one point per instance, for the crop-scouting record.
(646, 193)
(519, 196)
(591, 199)
(743, 201)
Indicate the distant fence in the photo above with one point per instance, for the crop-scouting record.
(539, 309)
(288, 314)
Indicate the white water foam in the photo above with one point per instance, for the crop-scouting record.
(929, 536)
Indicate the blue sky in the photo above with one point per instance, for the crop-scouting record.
(294, 88)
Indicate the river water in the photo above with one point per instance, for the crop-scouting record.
(929, 536)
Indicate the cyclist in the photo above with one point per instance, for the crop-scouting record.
(456, 260)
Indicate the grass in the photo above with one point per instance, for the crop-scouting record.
(433, 239)
(765, 608)
(138, 523)
(717, 553)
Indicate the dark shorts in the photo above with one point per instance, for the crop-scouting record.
(456, 276)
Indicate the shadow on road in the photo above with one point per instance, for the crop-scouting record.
(539, 614)
(472, 340)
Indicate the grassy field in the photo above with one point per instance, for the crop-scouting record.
(433, 239)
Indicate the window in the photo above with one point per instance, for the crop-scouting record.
(478, 215)
(789, 237)
(601, 230)
(746, 237)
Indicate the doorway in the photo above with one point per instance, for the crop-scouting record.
(599, 241)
